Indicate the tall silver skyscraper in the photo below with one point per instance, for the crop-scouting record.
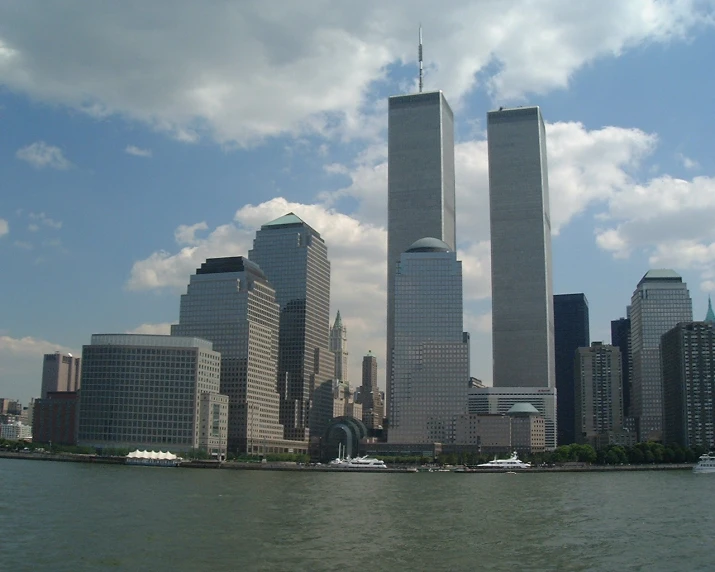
(230, 303)
(295, 259)
(660, 301)
(431, 352)
(522, 290)
(420, 184)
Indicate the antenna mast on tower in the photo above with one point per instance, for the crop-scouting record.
(419, 57)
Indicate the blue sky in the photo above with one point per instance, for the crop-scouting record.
(137, 140)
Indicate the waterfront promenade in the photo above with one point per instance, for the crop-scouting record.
(286, 466)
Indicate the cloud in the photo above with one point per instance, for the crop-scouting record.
(4, 227)
(41, 155)
(163, 329)
(687, 162)
(242, 72)
(137, 152)
(29, 346)
(43, 219)
(186, 234)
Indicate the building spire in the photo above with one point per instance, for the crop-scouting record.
(419, 57)
(338, 321)
(710, 316)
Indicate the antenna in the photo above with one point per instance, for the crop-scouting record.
(419, 57)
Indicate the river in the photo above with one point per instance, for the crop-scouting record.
(75, 516)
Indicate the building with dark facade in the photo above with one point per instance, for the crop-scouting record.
(621, 338)
(295, 260)
(571, 331)
(688, 361)
(55, 418)
(373, 408)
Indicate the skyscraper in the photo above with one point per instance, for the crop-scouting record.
(522, 291)
(621, 338)
(571, 331)
(431, 353)
(373, 409)
(660, 301)
(599, 395)
(420, 184)
(688, 390)
(60, 372)
(295, 260)
(339, 347)
(230, 302)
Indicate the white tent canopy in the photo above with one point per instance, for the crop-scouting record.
(152, 455)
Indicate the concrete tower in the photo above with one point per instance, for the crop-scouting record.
(295, 260)
(522, 291)
(420, 185)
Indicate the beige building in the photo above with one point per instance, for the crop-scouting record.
(488, 433)
(528, 429)
(152, 392)
(598, 393)
(60, 372)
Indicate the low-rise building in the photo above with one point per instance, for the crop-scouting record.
(56, 418)
(15, 432)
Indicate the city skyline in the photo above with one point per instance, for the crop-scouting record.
(172, 175)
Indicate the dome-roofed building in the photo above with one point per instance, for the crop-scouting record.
(523, 409)
(528, 428)
(429, 244)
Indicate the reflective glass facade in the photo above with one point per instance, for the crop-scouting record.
(522, 290)
(230, 302)
(420, 183)
(431, 353)
(143, 391)
(659, 303)
(295, 260)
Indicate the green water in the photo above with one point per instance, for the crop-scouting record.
(66, 516)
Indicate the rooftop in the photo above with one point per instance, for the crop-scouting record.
(661, 275)
(150, 340)
(230, 264)
(428, 244)
(523, 409)
(290, 218)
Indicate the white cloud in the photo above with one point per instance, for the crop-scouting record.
(41, 155)
(29, 346)
(43, 219)
(4, 227)
(241, 72)
(687, 162)
(163, 329)
(186, 234)
(137, 152)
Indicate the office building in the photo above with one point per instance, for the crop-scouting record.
(660, 302)
(230, 302)
(571, 331)
(621, 338)
(499, 400)
(56, 418)
(688, 355)
(145, 391)
(522, 291)
(295, 260)
(420, 184)
(485, 433)
(599, 394)
(15, 431)
(339, 348)
(371, 398)
(60, 372)
(431, 351)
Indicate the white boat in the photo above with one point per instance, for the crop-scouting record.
(706, 464)
(356, 463)
(512, 462)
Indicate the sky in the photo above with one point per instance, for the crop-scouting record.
(138, 139)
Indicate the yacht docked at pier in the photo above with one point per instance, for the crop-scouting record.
(512, 462)
(706, 464)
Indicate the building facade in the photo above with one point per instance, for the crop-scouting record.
(295, 259)
(571, 331)
(60, 372)
(499, 400)
(145, 391)
(339, 348)
(431, 351)
(230, 302)
(56, 418)
(688, 361)
(660, 301)
(599, 393)
(522, 290)
(371, 398)
(420, 184)
(621, 338)
(15, 431)
(486, 433)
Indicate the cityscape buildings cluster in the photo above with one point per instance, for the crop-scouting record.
(253, 366)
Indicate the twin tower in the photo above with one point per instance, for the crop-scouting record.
(427, 352)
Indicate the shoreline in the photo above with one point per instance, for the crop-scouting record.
(231, 465)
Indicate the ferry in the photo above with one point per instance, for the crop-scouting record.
(706, 464)
(357, 462)
(512, 462)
